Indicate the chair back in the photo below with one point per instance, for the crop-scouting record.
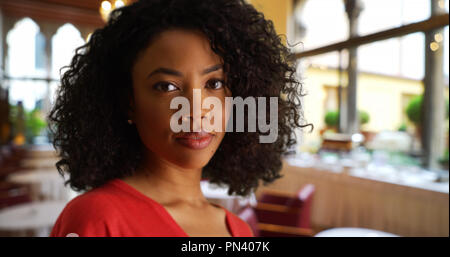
(287, 210)
(248, 215)
(305, 198)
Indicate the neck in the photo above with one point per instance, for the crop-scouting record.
(168, 183)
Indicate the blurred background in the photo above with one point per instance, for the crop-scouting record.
(376, 79)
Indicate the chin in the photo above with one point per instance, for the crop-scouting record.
(190, 164)
(191, 160)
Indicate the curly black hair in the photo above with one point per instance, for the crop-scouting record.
(88, 119)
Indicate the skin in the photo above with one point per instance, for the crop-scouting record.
(170, 173)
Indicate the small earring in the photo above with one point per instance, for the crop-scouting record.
(130, 122)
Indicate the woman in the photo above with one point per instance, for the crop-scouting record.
(111, 120)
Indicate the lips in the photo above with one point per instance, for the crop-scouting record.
(195, 140)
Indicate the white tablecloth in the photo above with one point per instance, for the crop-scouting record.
(39, 163)
(353, 232)
(41, 151)
(38, 217)
(46, 184)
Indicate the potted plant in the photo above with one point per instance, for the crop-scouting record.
(331, 122)
(364, 118)
(414, 113)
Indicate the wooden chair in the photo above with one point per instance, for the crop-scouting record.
(275, 207)
(10, 158)
(259, 229)
(12, 194)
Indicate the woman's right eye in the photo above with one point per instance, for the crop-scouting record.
(165, 87)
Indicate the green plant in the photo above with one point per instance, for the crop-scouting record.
(332, 118)
(414, 109)
(402, 127)
(444, 160)
(34, 123)
(364, 117)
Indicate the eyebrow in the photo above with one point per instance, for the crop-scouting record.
(180, 74)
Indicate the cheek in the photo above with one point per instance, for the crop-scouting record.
(225, 117)
(218, 114)
(153, 121)
(226, 113)
(220, 137)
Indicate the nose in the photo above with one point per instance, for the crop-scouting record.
(195, 121)
(196, 115)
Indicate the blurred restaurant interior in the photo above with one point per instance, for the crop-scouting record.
(376, 78)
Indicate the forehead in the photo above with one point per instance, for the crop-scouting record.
(178, 48)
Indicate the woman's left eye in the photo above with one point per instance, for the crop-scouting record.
(215, 84)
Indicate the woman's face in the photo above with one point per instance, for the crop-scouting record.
(174, 64)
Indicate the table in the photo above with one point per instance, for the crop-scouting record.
(353, 232)
(406, 207)
(41, 151)
(46, 184)
(37, 163)
(219, 195)
(38, 217)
